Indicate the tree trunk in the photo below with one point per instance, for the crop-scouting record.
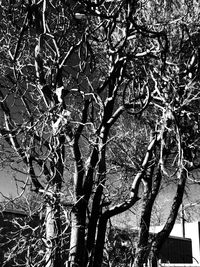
(51, 236)
(77, 239)
(161, 237)
(53, 229)
(96, 204)
(154, 257)
(92, 226)
(150, 193)
(100, 240)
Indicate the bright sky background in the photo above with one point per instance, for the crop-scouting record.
(7, 184)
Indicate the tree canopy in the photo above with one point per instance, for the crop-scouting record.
(99, 106)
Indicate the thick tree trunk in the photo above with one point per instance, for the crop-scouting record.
(77, 239)
(53, 228)
(53, 258)
(143, 240)
(92, 226)
(96, 204)
(150, 193)
(161, 237)
(154, 257)
(100, 241)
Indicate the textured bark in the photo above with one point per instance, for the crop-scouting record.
(53, 221)
(53, 255)
(50, 234)
(77, 238)
(92, 226)
(78, 213)
(96, 205)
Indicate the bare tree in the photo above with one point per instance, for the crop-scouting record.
(70, 71)
(65, 73)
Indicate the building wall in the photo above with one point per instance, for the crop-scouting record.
(192, 230)
(122, 247)
(176, 250)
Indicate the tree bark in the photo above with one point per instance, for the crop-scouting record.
(50, 234)
(92, 226)
(53, 255)
(77, 239)
(151, 191)
(98, 256)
